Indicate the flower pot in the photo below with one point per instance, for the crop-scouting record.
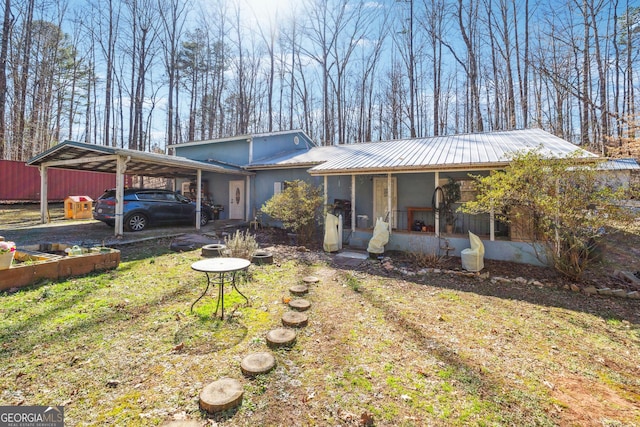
(6, 259)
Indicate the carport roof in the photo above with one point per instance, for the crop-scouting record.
(99, 158)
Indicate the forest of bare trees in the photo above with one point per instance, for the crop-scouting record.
(143, 74)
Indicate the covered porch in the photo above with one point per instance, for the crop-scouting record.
(399, 180)
(412, 207)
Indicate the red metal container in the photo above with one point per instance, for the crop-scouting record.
(20, 182)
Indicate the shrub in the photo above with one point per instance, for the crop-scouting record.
(297, 207)
(565, 205)
(426, 254)
(241, 245)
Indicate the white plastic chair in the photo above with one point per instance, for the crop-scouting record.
(257, 220)
(473, 257)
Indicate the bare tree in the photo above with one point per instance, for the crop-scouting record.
(434, 26)
(4, 51)
(21, 78)
(522, 59)
(173, 16)
(410, 61)
(467, 18)
(322, 31)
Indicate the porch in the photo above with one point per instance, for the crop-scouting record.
(411, 207)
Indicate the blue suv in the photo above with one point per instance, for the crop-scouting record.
(144, 207)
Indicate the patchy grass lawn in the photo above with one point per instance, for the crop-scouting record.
(122, 348)
(21, 214)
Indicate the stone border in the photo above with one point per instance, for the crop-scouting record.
(574, 287)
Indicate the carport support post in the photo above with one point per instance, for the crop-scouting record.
(121, 167)
(44, 206)
(198, 197)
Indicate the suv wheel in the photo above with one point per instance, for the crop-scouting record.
(204, 218)
(136, 222)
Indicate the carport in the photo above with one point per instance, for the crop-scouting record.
(99, 158)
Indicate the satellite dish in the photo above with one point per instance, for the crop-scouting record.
(296, 140)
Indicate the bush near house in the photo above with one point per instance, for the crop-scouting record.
(564, 205)
(297, 207)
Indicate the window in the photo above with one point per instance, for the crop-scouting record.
(468, 190)
(278, 187)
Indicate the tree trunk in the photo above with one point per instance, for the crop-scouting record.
(4, 47)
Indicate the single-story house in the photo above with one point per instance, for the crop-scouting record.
(356, 179)
(396, 180)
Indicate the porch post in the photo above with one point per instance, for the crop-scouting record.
(437, 212)
(198, 197)
(492, 225)
(353, 203)
(248, 211)
(44, 203)
(389, 205)
(326, 195)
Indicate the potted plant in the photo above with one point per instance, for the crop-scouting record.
(7, 251)
(450, 195)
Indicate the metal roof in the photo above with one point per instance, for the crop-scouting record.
(99, 158)
(297, 159)
(619, 165)
(477, 151)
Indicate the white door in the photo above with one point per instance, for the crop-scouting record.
(236, 199)
(381, 200)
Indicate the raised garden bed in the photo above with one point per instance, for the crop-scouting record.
(50, 262)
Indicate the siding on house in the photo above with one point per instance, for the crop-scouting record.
(244, 150)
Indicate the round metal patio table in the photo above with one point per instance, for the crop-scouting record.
(224, 270)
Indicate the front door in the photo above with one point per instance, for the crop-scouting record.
(236, 199)
(381, 200)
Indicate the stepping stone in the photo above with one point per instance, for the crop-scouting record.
(257, 363)
(299, 290)
(310, 279)
(281, 337)
(300, 304)
(295, 319)
(218, 396)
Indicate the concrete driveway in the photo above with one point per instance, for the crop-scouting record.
(95, 233)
